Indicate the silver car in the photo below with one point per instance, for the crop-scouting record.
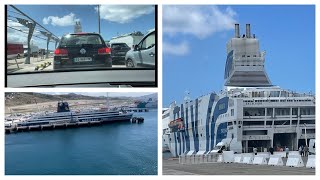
(143, 53)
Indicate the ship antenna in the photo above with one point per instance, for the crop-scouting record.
(187, 96)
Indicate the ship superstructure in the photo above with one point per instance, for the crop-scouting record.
(249, 112)
(65, 116)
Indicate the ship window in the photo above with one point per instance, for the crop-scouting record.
(282, 111)
(255, 132)
(274, 93)
(269, 122)
(254, 111)
(253, 123)
(281, 122)
(284, 94)
(232, 112)
(201, 135)
(294, 121)
(229, 123)
(269, 111)
(294, 111)
(307, 122)
(234, 122)
(170, 139)
(243, 55)
(309, 131)
(307, 111)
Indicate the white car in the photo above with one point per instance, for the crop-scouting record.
(143, 53)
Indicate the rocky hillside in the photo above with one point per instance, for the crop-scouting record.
(21, 98)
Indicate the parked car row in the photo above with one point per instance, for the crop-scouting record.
(81, 50)
(118, 52)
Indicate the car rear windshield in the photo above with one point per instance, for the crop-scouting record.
(81, 39)
(120, 45)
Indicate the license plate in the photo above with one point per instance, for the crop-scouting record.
(82, 59)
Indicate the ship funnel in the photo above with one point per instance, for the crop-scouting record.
(248, 31)
(237, 31)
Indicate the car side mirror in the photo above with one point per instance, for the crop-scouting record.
(136, 48)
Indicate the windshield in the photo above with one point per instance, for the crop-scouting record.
(119, 46)
(64, 38)
(79, 40)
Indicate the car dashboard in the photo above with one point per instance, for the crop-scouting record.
(117, 78)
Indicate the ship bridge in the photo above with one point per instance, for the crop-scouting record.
(245, 62)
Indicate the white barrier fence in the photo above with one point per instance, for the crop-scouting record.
(311, 163)
(281, 154)
(294, 158)
(295, 161)
(198, 158)
(228, 156)
(220, 158)
(238, 158)
(275, 160)
(248, 159)
(260, 160)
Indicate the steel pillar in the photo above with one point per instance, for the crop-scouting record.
(48, 40)
(31, 26)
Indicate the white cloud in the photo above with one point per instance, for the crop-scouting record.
(16, 36)
(180, 49)
(123, 13)
(67, 20)
(200, 21)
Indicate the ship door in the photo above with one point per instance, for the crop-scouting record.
(282, 140)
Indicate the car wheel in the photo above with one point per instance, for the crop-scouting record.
(130, 63)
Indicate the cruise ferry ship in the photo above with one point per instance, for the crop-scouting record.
(249, 112)
(65, 116)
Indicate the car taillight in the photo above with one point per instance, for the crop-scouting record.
(60, 52)
(104, 51)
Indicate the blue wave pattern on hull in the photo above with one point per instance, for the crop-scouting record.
(182, 138)
(220, 108)
(211, 101)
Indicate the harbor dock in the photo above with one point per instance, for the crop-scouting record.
(65, 125)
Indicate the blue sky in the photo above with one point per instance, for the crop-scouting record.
(60, 19)
(195, 37)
